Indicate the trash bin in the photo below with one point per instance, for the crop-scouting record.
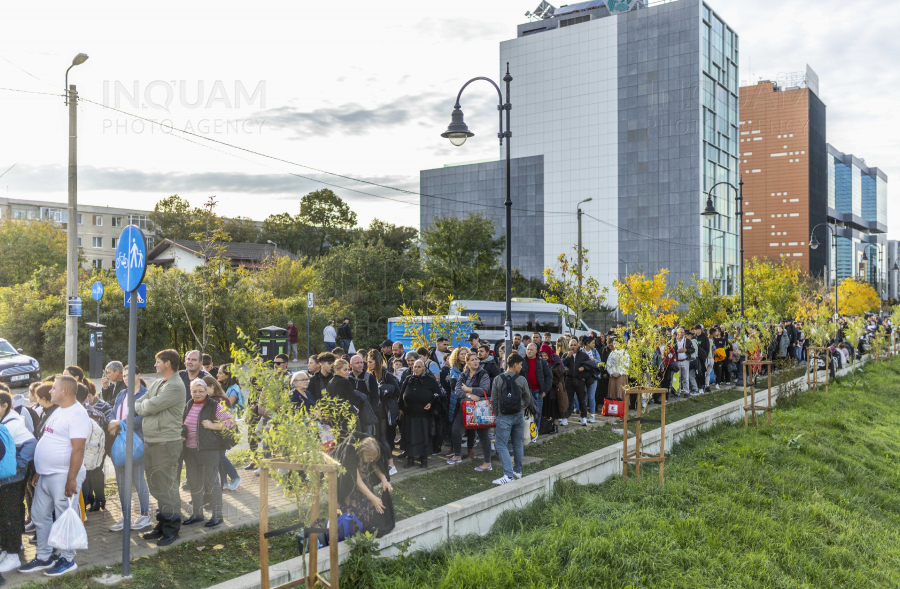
(272, 341)
(95, 349)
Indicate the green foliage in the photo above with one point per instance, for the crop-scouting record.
(700, 302)
(290, 233)
(562, 286)
(396, 238)
(173, 218)
(462, 255)
(364, 279)
(25, 246)
(329, 214)
(242, 230)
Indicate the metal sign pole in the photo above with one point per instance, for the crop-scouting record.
(307, 333)
(129, 434)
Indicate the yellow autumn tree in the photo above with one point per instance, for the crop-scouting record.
(648, 300)
(855, 297)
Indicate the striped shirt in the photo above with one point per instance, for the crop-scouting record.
(190, 421)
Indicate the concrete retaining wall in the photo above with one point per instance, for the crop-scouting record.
(476, 514)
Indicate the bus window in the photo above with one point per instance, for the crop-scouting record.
(521, 322)
(487, 320)
(547, 322)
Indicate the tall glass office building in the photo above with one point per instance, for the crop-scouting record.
(857, 205)
(636, 111)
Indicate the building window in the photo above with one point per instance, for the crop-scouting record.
(23, 214)
(574, 21)
(116, 221)
(96, 242)
(98, 220)
(80, 219)
(142, 221)
(115, 242)
(79, 241)
(98, 264)
(55, 215)
(151, 242)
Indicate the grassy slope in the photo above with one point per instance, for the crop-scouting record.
(740, 508)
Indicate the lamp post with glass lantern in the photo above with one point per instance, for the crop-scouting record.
(710, 211)
(457, 132)
(814, 244)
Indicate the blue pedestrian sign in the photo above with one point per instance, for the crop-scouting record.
(131, 258)
(141, 297)
(97, 290)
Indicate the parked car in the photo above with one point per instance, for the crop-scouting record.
(17, 369)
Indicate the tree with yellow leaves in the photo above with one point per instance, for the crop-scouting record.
(648, 300)
(855, 297)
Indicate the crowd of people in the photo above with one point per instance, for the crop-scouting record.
(53, 452)
(410, 405)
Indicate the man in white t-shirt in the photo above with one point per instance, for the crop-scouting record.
(58, 462)
(329, 334)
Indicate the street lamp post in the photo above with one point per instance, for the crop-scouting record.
(71, 354)
(710, 211)
(457, 132)
(865, 259)
(813, 244)
(580, 307)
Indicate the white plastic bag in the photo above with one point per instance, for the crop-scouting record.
(67, 532)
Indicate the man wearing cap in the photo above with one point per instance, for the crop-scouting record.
(474, 340)
(387, 351)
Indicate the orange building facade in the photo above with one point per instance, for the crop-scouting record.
(783, 155)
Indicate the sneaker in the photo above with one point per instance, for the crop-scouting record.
(118, 526)
(592, 419)
(518, 475)
(142, 522)
(61, 567)
(718, 387)
(257, 471)
(37, 565)
(563, 421)
(234, 484)
(502, 480)
(392, 471)
(29, 527)
(449, 454)
(250, 466)
(483, 469)
(9, 562)
(584, 421)
(451, 462)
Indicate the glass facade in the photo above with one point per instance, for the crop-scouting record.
(720, 79)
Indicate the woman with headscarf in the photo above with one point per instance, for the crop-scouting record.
(420, 391)
(365, 464)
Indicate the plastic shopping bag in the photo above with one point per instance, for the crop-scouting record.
(613, 408)
(67, 532)
(118, 451)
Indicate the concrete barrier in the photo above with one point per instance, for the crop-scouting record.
(478, 513)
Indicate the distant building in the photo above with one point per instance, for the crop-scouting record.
(98, 227)
(187, 255)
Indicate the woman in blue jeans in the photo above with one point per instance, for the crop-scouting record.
(120, 414)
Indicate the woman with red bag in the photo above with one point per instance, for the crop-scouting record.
(473, 384)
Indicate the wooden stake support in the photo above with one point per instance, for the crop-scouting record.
(812, 368)
(752, 408)
(639, 456)
(330, 469)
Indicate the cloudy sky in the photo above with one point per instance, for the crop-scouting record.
(354, 88)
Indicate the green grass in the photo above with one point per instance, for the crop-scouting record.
(811, 502)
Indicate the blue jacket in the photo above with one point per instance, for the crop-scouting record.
(138, 420)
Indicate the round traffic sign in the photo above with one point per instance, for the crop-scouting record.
(97, 290)
(131, 258)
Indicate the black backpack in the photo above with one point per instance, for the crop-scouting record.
(510, 397)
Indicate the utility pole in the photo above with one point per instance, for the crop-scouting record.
(580, 270)
(71, 355)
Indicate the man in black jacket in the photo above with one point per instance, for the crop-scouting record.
(319, 382)
(112, 382)
(487, 361)
(701, 340)
(345, 335)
